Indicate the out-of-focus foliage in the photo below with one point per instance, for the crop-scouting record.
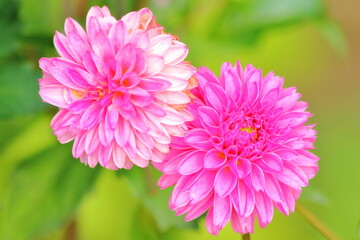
(10, 27)
(45, 194)
(143, 184)
(18, 94)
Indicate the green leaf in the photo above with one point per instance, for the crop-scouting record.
(312, 194)
(43, 193)
(19, 91)
(144, 226)
(10, 27)
(143, 183)
(334, 34)
(244, 21)
(42, 17)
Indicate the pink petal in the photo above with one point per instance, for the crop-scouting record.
(210, 226)
(97, 12)
(253, 83)
(155, 64)
(179, 196)
(172, 117)
(293, 119)
(154, 109)
(199, 139)
(101, 45)
(168, 180)
(61, 45)
(207, 75)
(288, 196)
(222, 211)
(52, 92)
(140, 39)
(89, 63)
(122, 132)
(119, 157)
(109, 133)
(79, 145)
(270, 99)
(90, 117)
(131, 21)
(272, 163)
(112, 115)
(202, 186)
(216, 96)
(230, 81)
(209, 116)
(153, 84)
(79, 77)
(172, 71)
(126, 57)
(199, 208)
(214, 159)
(148, 141)
(146, 16)
(173, 160)
(257, 178)
(272, 189)
(139, 123)
(242, 225)
(77, 45)
(142, 150)
(91, 141)
(160, 44)
(117, 35)
(175, 97)
(71, 26)
(196, 135)
(192, 163)
(293, 176)
(140, 97)
(225, 182)
(92, 160)
(243, 167)
(243, 199)
(175, 53)
(61, 76)
(309, 171)
(139, 161)
(264, 209)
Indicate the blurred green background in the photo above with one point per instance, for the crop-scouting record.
(45, 194)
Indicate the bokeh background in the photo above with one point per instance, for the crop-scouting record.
(46, 194)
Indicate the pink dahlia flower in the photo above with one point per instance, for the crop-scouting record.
(121, 87)
(245, 153)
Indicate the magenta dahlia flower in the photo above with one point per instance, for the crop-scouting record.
(245, 152)
(121, 87)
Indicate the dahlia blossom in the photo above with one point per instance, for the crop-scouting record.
(121, 86)
(245, 153)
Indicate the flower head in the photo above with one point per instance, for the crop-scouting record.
(120, 86)
(245, 153)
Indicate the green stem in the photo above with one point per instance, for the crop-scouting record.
(246, 236)
(150, 182)
(316, 223)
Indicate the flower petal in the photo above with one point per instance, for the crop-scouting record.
(225, 182)
(214, 159)
(216, 96)
(243, 199)
(264, 208)
(192, 163)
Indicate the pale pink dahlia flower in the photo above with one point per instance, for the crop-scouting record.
(120, 85)
(245, 152)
